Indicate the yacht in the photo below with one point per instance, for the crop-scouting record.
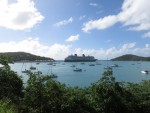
(77, 69)
(145, 72)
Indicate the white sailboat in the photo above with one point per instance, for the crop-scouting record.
(76, 69)
(25, 70)
(52, 75)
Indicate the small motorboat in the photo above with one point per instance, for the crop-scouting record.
(77, 69)
(32, 68)
(108, 68)
(145, 72)
(114, 65)
(91, 64)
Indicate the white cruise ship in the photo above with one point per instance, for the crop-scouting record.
(83, 58)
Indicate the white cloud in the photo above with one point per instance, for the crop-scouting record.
(73, 38)
(56, 51)
(60, 51)
(135, 14)
(93, 4)
(102, 23)
(19, 14)
(64, 22)
(146, 35)
(129, 48)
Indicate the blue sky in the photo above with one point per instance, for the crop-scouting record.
(58, 28)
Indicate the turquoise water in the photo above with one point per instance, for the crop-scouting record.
(127, 71)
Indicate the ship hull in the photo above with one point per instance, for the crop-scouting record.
(80, 60)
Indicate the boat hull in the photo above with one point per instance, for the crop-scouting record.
(80, 60)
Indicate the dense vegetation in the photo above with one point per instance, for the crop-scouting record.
(42, 94)
(130, 57)
(22, 56)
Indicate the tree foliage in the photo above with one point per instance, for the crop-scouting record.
(11, 85)
(110, 97)
(45, 95)
(42, 94)
(6, 106)
(141, 92)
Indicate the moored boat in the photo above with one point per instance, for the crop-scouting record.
(145, 72)
(115, 65)
(91, 64)
(26, 71)
(32, 68)
(77, 69)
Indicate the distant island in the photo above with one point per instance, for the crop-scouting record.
(23, 56)
(130, 57)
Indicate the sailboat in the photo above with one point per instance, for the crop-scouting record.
(25, 70)
(52, 75)
(108, 67)
(77, 69)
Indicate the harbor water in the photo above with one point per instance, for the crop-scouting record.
(127, 71)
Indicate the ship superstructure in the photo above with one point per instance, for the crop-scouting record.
(83, 58)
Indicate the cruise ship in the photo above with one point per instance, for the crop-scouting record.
(83, 58)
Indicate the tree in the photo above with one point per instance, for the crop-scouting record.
(11, 85)
(110, 97)
(77, 101)
(45, 95)
(6, 106)
(141, 92)
(42, 94)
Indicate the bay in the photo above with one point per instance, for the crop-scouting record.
(128, 71)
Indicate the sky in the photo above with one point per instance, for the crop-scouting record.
(57, 28)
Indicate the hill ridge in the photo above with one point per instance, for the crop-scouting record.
(131, 57)
(23, 56)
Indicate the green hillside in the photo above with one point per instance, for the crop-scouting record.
(130, 57)
(22, 56)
